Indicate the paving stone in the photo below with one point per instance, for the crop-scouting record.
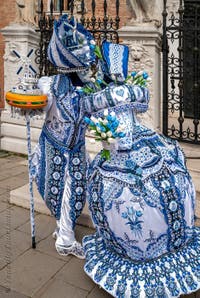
(14, 182)
(16, 216)
(44, 226)
(197, 294)
(17, 170)
(197, 223)
(12, 245)
(3, 228)
(11, 218)
(60, 289)
(5, 198)
(3, 192)
(7, 293)
(47, 246)
(188, 296)
(73, 274)
(98, 293)
(24, 162)
(81, 231)
(10, 161)
(30, 271)
(4, 206)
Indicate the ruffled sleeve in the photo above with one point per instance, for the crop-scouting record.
(45, 83)
(118, 95)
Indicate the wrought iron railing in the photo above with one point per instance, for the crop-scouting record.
(181, 71)
(101, 27)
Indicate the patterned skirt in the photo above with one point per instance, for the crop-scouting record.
(142, 204)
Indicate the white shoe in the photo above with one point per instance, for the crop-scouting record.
(55, 233)
(75, 249)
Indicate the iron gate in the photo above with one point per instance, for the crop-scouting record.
(101, 27)
(181, 71)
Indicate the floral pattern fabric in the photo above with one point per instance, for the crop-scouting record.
(142, 204)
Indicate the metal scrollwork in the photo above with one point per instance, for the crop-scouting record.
(102, 27)
(181, 71)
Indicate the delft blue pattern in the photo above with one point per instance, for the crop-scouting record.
(32, 214)
(116, 56)
(133, 220)
(77, 170)
(50, 176)
(170, 275)
(142, 205)
(63, 133)
(64, 40)
(173, 209)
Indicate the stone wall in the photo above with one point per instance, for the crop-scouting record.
(7, 15)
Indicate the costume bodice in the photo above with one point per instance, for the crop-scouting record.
(67, 108)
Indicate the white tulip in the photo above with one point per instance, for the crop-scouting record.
(109, 134)
(112, 113)
(95, 120)
(100, 119)
(103, 135)
(140, 73)
(92, 132)
(92, 42)
(113, 77)
(92, 141)
(119, 129)
(105, 122)
(105, 112)
(93, 80)
(111, 140)
(148, 79)
(98, 129)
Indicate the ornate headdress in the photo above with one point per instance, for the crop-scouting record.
(69, 48)
(116, 57)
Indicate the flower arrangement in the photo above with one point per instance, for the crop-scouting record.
(107, 130)
(140, 78)
(96, 49)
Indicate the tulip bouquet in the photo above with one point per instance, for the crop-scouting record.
(140, 78)
(107, 130)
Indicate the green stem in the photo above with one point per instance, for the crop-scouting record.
(105, 154)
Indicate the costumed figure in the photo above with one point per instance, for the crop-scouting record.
(59, 161)
(142, 202)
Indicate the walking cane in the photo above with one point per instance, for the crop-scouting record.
(32, 211)
(26, 98)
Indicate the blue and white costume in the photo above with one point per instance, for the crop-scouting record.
(59, 161)
(142, 203)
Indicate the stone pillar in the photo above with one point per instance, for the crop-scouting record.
(20, 40)
(145, 54)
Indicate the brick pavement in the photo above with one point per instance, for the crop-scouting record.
(25, 272)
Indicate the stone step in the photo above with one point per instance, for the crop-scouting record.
(197, 209)
(196, 180)
(194, 165)
(21, 197)
(191, 150)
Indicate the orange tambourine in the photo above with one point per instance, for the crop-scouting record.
(26, 101)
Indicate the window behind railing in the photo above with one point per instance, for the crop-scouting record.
(191, 59)
(181, 71)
